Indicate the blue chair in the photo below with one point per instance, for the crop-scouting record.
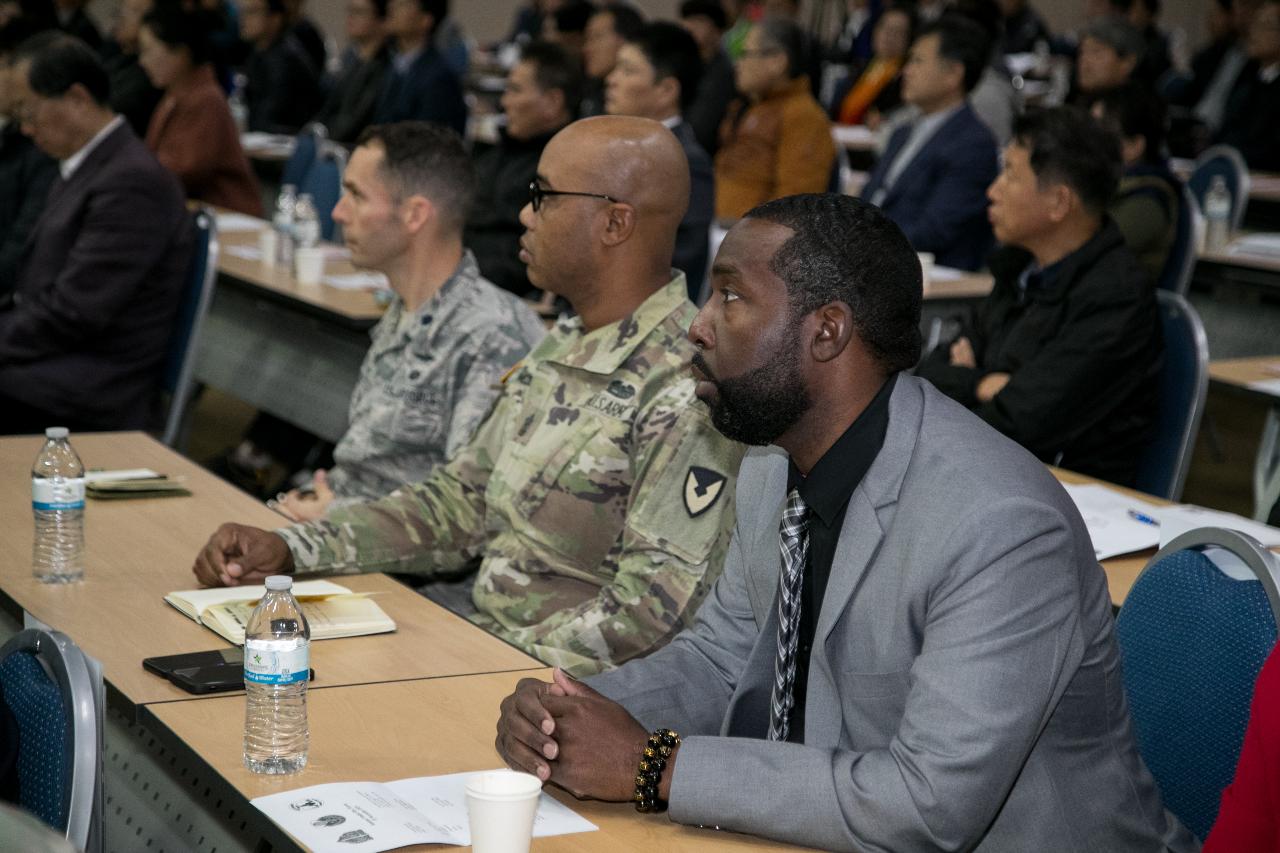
(324, 183)
(1225, 161)
(179, 364)
(1176, 275)
(1192, 639)
(1184, 382)
(50, 690)
(305, 148)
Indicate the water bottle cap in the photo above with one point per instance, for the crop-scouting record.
(276, 583)
(56, 433)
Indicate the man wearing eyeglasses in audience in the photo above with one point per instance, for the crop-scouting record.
(596, 497)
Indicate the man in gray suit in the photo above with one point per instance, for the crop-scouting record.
(920, 655)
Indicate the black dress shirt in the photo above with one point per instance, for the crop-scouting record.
(826, 491)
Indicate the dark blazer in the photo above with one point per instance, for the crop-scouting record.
(1252, 120)
(429, 91)
(132, 94)
(693, 235)
(103, 272)
(349, 108)
(1083, 350)
(25, 176)
(281, 87)
(940, 198)
(716, 89)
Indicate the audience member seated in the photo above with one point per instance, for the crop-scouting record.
(655, 77)
(527, 23)
(1145, 208)
(84, 335)
(705, 20)
(192, 132)
(1249, 817)
(282, 84)
(1142, 14)
(74, 20)
(1024, 29)
(877, 89)
(609, 26)
(933, 175)
(132, 93)
(306, 32)
(451, 41)
(1214, 69)
(1110, 50)
(931, 664)
(994, 99)
(542, 95)
(420, 85)
(595, 497)
(1251, 122)
(567, 25)
(852, 46)
(353, 97)
(36, 15)
(26, 173)
(1064, 355)
(777, 141)
(439, 353)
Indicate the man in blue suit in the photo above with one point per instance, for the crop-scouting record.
(421, 86)
(933, 177)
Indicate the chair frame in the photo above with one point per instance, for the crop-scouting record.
(1194, 232)
(180, 397)
(328, 150)
(1241, 199)
(67, 667)
(1186, 444)
(1264, 564)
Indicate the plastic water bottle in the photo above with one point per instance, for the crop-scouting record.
(57, 502)
(236, 101)
(277, 662)
(1217, 214)
(306, 222)
(283, 222)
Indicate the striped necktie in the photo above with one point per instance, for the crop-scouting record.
(794, 544)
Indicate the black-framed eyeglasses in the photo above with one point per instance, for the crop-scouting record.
(537, 193)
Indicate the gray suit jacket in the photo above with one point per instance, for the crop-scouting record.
(964, 686)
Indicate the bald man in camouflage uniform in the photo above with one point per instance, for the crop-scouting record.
(596, 496)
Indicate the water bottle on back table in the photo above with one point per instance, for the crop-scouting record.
(57, 502)
(1217, 214)
(277, 663)
(283, 221)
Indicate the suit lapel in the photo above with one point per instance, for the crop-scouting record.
(896, 141)
(915, 171)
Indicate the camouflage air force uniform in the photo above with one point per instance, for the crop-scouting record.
(596, 495)
(428, 379)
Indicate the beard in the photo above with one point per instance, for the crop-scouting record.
(763, 403)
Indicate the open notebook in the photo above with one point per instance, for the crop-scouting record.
(332, 611)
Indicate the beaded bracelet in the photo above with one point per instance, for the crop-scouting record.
(652, 762)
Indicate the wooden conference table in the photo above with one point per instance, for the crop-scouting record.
(1258, 378)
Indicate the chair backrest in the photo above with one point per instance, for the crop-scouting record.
(1225, 161)
(48, 688)
(305, 147)
(324, 183)
(1183, 384)
(1192, 640)
(179, 365)
(1176, 275)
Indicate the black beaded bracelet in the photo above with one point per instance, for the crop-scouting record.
(649, 775)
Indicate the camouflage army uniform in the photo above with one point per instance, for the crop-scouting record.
(428, 379)
(597, 497)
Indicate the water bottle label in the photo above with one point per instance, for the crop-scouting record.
(51, 494)
(277, 666)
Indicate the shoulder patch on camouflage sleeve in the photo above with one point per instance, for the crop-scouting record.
(702, 488)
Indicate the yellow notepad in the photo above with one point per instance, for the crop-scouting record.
(332, 611)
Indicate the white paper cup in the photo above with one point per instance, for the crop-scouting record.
(268, 244)
(309, 265)
(501, 805)
(926, 266)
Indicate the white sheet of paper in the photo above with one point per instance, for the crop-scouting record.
(1267, 386)
(120, 474)
(1175, 520)
(1106, 514)
(423, 810)
(358, 281)
(945, 274)
(249, 253)
(229, 222)
(1261, 245)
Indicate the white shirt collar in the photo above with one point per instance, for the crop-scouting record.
(68, 166)
(670, 122)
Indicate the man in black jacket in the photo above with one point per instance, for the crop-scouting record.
(282, 88)
(1063, 356)
(542, 95)
(1251, 122)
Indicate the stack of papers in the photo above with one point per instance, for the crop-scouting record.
(1257, 245)
(383, 816)
(358, 281)
(238, 222)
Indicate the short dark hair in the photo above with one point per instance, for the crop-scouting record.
(177, 28)
(846, 250)
(785, 35)
(426, 159)
(962, 40)
(60, 61)
(672, 52)
(709, 9)
(1066, 145)
(437, 9)
(1132, 111)
(555, 68)
(984, 13)
(572, 17)
(627, 20)
(380, 8)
